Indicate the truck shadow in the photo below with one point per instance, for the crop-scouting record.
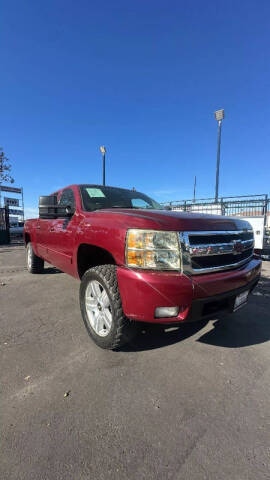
(249, 326)
(150, 336)
(50, 270)
(235, 334)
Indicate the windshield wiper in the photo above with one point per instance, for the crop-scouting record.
(126, 206)
(120, 206)
(133, 207)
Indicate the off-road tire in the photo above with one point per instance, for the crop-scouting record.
(122, 329)
(34, 263)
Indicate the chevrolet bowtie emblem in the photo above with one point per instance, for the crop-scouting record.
(238, 247)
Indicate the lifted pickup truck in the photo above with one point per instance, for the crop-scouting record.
(140, 262)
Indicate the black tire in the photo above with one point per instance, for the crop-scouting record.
(122, 329)
(34, 263)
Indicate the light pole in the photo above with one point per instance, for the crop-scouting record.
(194, 189)
(1, 173)
(103, 151)
(219, 116)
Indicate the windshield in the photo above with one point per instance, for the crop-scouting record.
(95, 197)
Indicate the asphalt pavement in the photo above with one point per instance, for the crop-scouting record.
(188, 403)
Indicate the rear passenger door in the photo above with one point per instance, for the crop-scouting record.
(62, 234)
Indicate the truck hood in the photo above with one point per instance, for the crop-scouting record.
(176, 221)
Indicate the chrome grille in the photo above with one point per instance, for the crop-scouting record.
(204, 252)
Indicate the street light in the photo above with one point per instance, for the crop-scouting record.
(219, 116)
(194, 189)
(103, 151)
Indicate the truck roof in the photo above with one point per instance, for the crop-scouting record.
(95, 185)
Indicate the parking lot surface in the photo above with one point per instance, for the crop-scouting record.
(189, 403)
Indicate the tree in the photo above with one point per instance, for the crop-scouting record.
(5, 168)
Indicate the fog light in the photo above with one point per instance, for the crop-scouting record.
(164, 312)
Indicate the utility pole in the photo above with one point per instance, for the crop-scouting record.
(103, 151)
(219, 116)
(194, 189)
(1, 171)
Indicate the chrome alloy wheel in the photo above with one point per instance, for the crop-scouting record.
(98, 308)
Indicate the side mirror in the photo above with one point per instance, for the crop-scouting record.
(47, 206)
(49, 209)
(167, 207)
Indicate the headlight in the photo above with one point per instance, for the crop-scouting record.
(152, 249)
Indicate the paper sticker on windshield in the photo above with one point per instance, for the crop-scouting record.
(95, 192)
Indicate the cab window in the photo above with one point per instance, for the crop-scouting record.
(139, 203)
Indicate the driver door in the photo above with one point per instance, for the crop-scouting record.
(62, 233)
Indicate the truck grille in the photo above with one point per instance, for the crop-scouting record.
(204, 252)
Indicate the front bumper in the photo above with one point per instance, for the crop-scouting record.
(206, 308)
(200, 296)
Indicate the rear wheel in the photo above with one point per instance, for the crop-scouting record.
(34, 263)
(101, 308)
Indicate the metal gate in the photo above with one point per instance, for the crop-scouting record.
(4, 226)
(241, 206)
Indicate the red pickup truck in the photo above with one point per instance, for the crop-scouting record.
(140, 262)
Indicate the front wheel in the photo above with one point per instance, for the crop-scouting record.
(101, 308)
(34, 263)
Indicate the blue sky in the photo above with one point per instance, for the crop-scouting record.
(142, 78)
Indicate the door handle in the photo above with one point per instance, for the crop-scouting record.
(38, 227)
(51, 229)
